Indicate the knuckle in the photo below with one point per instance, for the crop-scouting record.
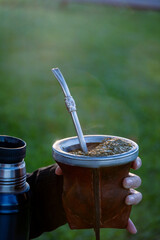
(136, 181)
(140, 181)
(138, 197)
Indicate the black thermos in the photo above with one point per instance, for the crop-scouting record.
(14, 191)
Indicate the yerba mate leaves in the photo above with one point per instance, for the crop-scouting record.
(109, 146)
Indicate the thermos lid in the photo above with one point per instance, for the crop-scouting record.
(12, 149)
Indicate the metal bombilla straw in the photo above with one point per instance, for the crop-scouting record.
(71, 107)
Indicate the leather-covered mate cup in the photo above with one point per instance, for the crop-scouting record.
(93, 195)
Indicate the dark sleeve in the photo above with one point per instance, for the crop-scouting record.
(47, 211)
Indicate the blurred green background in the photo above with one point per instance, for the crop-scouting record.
(110, 58)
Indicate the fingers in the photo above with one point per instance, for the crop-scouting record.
(132, 181)
(131, 227)
(133, 198)
(58, 171)
(137, 163)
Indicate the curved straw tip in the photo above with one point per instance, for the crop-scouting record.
(54, 69)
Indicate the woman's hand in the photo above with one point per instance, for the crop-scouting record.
(131, 182)
(58, 171)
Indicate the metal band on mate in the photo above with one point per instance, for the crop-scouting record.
(70, 103)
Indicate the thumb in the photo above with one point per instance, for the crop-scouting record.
(131, 227)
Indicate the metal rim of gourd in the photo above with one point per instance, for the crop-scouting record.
(62, 147)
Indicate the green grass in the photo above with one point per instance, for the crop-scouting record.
(110, 59)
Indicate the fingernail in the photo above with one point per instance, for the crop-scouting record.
(134, 231)
(138, 162)
(130, 200)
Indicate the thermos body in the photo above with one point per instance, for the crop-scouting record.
(14, 216)
(14, 190)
